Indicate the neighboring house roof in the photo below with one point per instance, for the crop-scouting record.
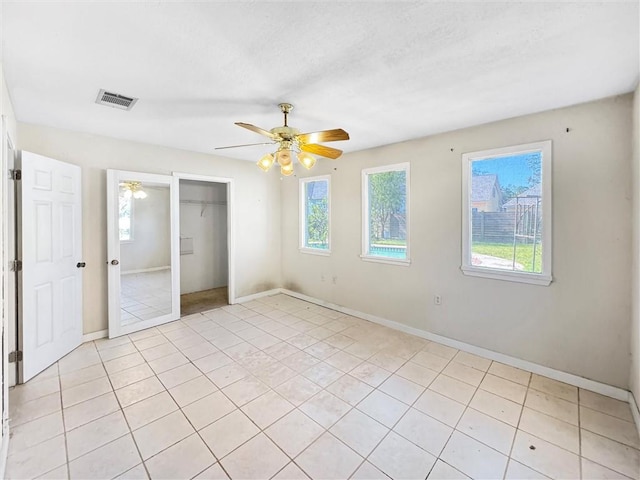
(482, 186)
(528, 197)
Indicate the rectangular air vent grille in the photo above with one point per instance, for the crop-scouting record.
(115, 100)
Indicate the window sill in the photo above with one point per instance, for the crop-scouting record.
(389, 261)
(313, 251)
(530, 278)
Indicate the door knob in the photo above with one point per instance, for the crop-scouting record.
(114, 262)
(81, 264)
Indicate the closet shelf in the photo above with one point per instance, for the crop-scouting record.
(203, 202)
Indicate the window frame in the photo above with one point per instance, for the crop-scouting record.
(131, 238)
(545, 277)
(397, 167)
(303, 216)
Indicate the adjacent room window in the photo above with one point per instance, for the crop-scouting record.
(315, 209)
(507, 213)
(385, 203)
(125, 220)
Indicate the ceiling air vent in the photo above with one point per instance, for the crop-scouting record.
(115, 100)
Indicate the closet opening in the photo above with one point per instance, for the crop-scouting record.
(204, 248)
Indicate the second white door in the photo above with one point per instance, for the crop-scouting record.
(143, 250)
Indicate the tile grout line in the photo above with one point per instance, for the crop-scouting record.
(66, 449)
(219, 390)
(272, 389)
(133, 438)
(64, 426)
(580, 436)
(466, 407)
(180, 408)
(453, 429)
(326, 430)
(296, 407)
(515, 434)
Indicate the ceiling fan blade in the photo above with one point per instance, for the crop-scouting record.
(245, 145)
(253, 128)
(324, 136)
(321, 150)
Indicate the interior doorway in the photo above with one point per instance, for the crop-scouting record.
(204, 245)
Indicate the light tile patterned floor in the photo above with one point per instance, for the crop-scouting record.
(280, 388)
(145, 295)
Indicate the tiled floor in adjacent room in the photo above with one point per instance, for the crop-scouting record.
(280, 388)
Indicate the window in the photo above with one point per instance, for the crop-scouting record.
(125, 219)
(315, 215)
(385, 204)
(507, 213)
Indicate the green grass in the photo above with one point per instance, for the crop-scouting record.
(524, 253)
(388, 241)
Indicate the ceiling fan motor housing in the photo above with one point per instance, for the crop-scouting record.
(285, 133)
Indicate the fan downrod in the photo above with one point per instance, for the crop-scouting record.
(285, 108)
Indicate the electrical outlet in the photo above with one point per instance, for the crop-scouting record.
(437, 299)
(334, 280)
(322, 278)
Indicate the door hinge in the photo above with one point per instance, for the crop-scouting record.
(15, 356)
(15, 174)
(15, 265)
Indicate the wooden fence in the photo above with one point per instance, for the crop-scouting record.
(521, 225)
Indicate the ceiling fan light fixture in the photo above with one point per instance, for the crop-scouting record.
(284, 157)
(286, 170)
(133, 189)
(266, 162)
(306, 160)
(290, 141)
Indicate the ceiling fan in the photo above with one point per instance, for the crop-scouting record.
(289, 140)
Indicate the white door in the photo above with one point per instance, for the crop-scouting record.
(143, 250)
(51, 252)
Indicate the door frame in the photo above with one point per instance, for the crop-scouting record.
(9, 303)
(9, 253)
(10, 240)
(231, 234)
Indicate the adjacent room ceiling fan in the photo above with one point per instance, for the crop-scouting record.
(290, 140)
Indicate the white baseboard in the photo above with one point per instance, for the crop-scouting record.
(255, 296)
(581, 382)
(635, 410)
(146, 270)
(89, 337)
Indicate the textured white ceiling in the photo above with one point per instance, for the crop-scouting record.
(383, 71)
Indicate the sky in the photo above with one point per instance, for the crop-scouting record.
(511, 170)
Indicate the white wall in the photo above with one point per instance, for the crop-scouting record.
(634, 377)
(579, 324)
(151, 244)
(203, 218)
(256, 195)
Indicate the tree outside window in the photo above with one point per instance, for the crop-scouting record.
(386, 212)
(314, 194)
